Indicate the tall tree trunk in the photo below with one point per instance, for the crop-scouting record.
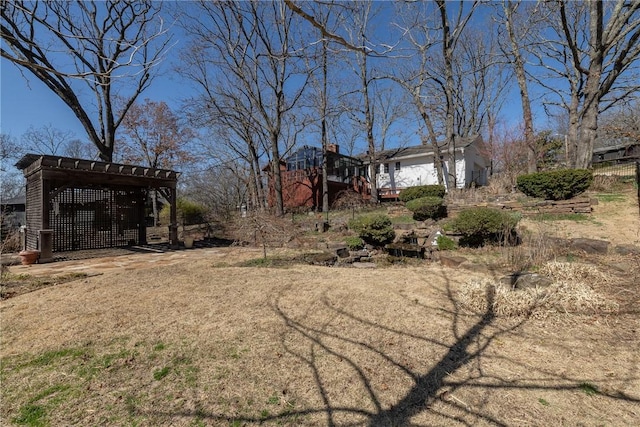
(447, 54)
(323, 108)
(276, 175)
(518, 67)
(437, 154)
(589, 122)
(368, 117)
(571, 139)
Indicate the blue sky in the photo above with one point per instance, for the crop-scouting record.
(30, 103)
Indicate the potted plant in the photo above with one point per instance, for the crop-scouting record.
(29, 256)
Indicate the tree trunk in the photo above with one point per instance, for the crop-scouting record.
(447, 54)
(589, 122)
(276, 176)
(571, 139)
(368, 117)
(518, 67)
(323, 108)
(437, 158)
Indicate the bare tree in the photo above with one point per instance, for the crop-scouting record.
(613, 48)
(111, 46)
(621, 124)
(358, 39)
(153, 136)
(48, 139)
(590, 59)
(450, 37)
(79, 149)
(251, 45)
(516, 20)
(413, 74)
(11, 181)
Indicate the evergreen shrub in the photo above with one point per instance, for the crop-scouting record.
(419, 191)
(481, 225)
(188, 212)
(427, 207)
(376, 230)
(560, 184)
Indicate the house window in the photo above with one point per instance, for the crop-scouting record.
(386, 168)
(397, 166)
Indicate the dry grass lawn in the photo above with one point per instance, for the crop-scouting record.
(209, 343)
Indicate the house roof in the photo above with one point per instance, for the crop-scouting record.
(418, 150)
(19, 200)
(617, 147)
(91, 171)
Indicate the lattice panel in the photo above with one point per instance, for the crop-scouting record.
(90, 218)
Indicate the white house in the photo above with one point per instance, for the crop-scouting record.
(405, 167)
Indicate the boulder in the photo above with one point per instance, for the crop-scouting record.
(590, 246)
(323, 258)
(405, 250)
(451, 261)
(526, 281)
(627, 250)
(359, 254)
(342, 252)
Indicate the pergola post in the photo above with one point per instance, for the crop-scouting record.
(173, 225)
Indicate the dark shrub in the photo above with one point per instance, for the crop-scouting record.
(427, 207)
(484, 225)
(419, 191)
(555, 185)
(375, 230)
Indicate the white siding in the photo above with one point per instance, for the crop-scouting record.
(419, 169)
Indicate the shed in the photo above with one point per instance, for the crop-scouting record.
(86, 204)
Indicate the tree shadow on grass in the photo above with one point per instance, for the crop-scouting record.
(318, 337)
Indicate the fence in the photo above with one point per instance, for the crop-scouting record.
(626, 172)
(622, 170)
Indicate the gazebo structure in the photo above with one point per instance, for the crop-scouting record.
(74, 204)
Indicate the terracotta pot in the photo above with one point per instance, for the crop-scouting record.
(29, 256)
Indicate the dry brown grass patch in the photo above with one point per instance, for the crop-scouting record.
(569, 293)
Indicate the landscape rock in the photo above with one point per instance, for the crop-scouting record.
(323, 258)
(342, 252)
(405, 250)
(451, 261)
(526, 281)
(359, 254)
(432, 240)
(627, 250)
(364, 265)
(590, 246)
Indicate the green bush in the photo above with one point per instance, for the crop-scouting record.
(188, 213)
(445, 243)
(427, 207)
(375, 230)
(555, 185)
(419, 191)
(354, 243)
(484, 225)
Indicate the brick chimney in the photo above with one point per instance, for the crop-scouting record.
(334, 148)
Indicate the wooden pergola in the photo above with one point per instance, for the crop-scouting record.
(85, 204)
